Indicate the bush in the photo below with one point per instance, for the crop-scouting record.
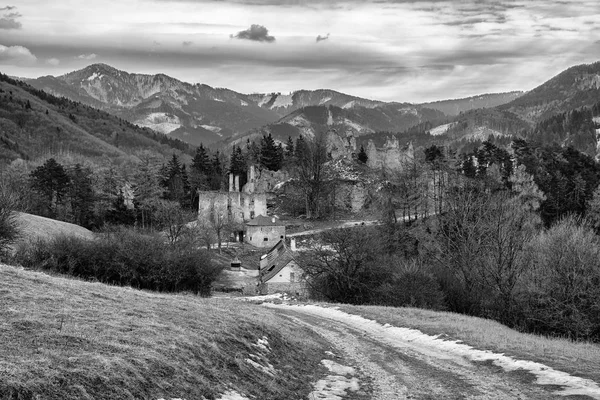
(9, 226)
(560, 294)
(409, 285)
(124, 257)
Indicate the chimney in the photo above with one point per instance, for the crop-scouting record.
(231, 182)
(237, 183)
(293, 244)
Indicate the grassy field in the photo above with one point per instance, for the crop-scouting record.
(67, 339)
(35, 227)
(581, 359)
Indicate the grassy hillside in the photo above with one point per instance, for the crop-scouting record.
(67, 339)
(34, 124)
(34, 227)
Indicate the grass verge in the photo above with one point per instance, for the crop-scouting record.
(67, 339)
(577, 358)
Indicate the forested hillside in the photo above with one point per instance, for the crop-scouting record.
(35, 124)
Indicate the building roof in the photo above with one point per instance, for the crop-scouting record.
(283, 257)
(261, 220)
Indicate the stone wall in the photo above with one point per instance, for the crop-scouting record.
(238, 206)
(255, 235)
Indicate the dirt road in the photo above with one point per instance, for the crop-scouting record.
(399, 364)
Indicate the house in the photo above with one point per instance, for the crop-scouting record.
(279, 272)
(264, 231)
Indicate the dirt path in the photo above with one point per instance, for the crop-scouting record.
(404, 368)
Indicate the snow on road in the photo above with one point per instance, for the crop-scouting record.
(436, 347)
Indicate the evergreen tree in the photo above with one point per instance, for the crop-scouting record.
(237, 165)
(362, 155)
(52, 183)
(289, 148)
(216, 177)
(270, 157)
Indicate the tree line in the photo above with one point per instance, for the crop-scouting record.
(509, 234)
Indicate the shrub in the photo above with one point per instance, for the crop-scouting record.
(124, 257)
(560, 294)
(9, 225)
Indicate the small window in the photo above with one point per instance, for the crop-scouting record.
(266, 239)
(251, 214)
(281, 237)
(292, 277)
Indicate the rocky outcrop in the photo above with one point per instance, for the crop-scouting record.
(340, 147)
(391, 157)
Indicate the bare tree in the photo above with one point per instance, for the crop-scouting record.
(311, 171)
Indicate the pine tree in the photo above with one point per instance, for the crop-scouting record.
(289, 148)
(237, 165)
(301, 150)
(362, 155)
(200, 170)
(269, 154)
(52, 183)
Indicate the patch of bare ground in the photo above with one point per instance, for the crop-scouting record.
(67, 339)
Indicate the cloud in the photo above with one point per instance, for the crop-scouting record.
(16, 55)
(321, 38)
(53, 61)
(9, 21)
(257, 33)
(187, 43)
(88, 57)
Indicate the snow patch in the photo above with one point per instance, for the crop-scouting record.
(219, 100)
(412, 111)
(439, 347)
(482, 133)
(94, 76)
(243, 103)
(336, 385)
(329, 118)
(440, 130)
(596, 120)
(357, 127)
(232, 395)
(349, 105)
(212, 128)
(283, 100)
(264, 100)
(160, 122)
(325, 100)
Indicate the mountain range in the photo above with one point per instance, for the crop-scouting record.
(197, 113)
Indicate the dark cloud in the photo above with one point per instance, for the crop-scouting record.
(9, 20)
(187, 43)
(321, 38)
(257, 33)
(10, 23)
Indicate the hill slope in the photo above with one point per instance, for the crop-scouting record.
(356, 121)
(457, 106)
(576, 87)
(66, 339)
(34, 123)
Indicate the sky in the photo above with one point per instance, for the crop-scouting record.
(390, 50)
